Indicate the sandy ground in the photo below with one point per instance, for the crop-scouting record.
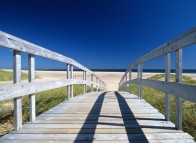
(110, 78)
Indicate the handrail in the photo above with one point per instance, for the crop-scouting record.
(14, 43)
(179, 90)
(18, 89)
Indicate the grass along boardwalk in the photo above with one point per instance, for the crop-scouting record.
(100, 117)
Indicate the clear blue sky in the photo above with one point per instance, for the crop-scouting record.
(98, 33)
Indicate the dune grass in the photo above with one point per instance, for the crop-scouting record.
(44, 101)
(8, 75)
(157, 99)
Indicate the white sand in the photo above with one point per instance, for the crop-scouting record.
(110, 78)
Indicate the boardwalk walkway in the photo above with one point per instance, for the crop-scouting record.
(116, 117)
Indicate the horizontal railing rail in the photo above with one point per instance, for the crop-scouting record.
(18, 89)
(177, 88)
(10, 91)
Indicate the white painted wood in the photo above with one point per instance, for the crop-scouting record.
(8, 91)
(14, 43)
(130, 78)
(97, 84)
(139, 84)
(177, 89)
(71, 77)
(65, 122)
(84, 78)
(87, 137)
(32, 110)
(18, 100)
(178, 103)
(68, 86)
(91, 81)
(182, 41)
(126, 82)
(167, 79)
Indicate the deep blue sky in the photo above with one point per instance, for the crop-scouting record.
(98, 33)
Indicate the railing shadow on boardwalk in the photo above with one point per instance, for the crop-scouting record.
(95, 109)
(126, 113)
(125, 110)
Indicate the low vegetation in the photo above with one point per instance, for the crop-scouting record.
(157, 99)
(44, 101)
(8, 75)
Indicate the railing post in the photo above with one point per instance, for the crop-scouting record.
(96, 84)
(130, 72)
(68, 77)
(167, 78)
(123, 83)
(178, 107)
(71, 77)
(91, 83)
(139, 80)
(126, 82)
(100, 85)
(32, 111)
(18, 100)
(84, 85)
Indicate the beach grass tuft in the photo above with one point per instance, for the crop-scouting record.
(8, 75)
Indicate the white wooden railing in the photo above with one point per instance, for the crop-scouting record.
(17, 90)
(179, 90)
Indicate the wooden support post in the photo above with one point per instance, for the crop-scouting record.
(130, 90)
(68, 77)
(178, 107)
(139, 84)
(167, 78)
(126, 82)
(91, 83)
(123, 83)
(71, 77)
(32, 111)
(97, 84)
(18, 100)
(101, 86)
(84, 85)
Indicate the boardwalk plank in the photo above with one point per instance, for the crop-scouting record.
(112, 117)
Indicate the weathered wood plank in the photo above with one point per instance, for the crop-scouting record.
(8, 91)
(12, 42)
(99, 125)
(98, 131)
(178, 89)
(98, 121)
(102, 141)
(157, 136)
(18, 99)
(32, 111)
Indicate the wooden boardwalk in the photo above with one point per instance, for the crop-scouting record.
(116, 117)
